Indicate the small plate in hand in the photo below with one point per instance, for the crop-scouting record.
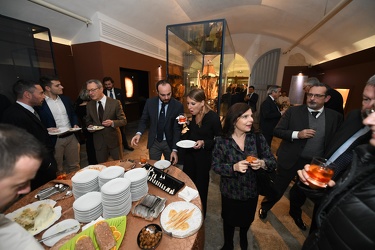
(74, 129)
(58, 131)
(186, 144)
(95, 128)
(162, 164)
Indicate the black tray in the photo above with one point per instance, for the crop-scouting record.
(162, 180)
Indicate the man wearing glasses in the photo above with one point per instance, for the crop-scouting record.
(305, 131)
(350, 134)
(104, 118)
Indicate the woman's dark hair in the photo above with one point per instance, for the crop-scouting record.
(234, 112)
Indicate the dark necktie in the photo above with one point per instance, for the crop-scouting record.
(111, 94)
(36, 114)
(315, 113)
(100, 111)
(161, 123)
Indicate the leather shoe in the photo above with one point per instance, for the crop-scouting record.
(262, 213)
(299, 222)
(129, 148)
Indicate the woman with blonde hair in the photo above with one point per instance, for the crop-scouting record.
(203, 127)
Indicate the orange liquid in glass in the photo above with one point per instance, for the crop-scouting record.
(319, 176)
(61, 177)
(251, 158)
(143, 160)
(182, 119)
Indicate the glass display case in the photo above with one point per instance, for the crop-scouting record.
(198, 56)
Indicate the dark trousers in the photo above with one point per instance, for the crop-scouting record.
(284, 176)
(124, 140)
(229, 234)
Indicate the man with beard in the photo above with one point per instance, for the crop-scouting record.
(161, 112)
(20, 158)
(305, 131)
(22, 114)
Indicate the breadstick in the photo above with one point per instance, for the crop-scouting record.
(177, 216)
(181, 220)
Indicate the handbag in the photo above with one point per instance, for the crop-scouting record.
(265, 179)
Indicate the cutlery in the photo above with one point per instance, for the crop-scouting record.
(59, 233)
(68, 193)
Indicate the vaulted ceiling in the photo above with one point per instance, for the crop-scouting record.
(346, 26)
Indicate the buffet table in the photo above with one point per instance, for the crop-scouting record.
(134, 224)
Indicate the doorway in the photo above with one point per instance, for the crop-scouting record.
(135, 85)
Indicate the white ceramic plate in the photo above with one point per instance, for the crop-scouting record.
(65, 224)
(195, 221)
(59, 131)
(186, 144)
(95, 128)
(162, 164)
(74, 129)
(34, 206)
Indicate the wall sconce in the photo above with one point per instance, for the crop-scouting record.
(160, 66)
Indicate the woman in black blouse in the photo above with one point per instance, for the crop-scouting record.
(203, 128)
(239, 194)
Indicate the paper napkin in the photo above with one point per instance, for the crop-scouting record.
(188, 194)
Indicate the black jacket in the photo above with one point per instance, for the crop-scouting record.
(346, 216)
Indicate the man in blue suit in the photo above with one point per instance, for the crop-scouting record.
(57, 115)
(163, 104)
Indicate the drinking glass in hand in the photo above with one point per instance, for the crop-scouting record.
(320, 172)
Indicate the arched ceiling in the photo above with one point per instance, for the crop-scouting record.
(350, 30)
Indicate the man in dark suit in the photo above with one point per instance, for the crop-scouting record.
(117, 94)
(170, 130)
(57, 114)
(336, 102)
(350, 134)
(270, 113)
(252, 99)
(107, 112)
(22, 114)
(305, 132)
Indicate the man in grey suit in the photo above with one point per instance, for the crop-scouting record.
(305, 131)
(163, 104)
(107, 112)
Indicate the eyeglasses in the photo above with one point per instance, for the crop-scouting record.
(92, 90)
(309, 95)
(367, 112)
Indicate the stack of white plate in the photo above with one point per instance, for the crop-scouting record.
(138, 179)
(116, 198)
(110, 173)
(84, 182)
(88, 207)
